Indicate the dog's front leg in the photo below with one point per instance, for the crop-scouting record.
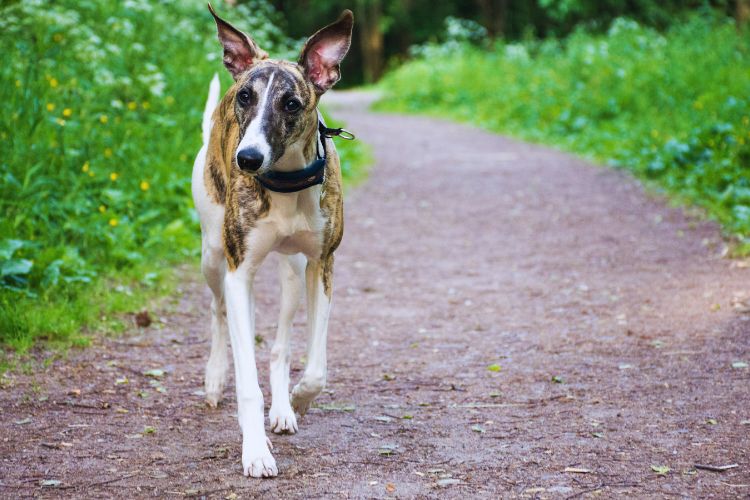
(318, 307)
(257, 460)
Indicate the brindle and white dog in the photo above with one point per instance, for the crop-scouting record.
(264, 128)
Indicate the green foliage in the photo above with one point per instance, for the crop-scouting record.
(673, 108)
(103, 103)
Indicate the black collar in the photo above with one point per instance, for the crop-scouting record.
(312, 174)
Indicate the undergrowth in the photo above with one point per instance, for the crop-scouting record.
(673, 107)
(103, 102)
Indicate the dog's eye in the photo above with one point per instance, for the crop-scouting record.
(292, 105)
(243, 96)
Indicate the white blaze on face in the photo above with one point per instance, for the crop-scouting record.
(254, 137)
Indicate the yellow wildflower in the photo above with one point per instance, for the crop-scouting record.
(113, 176)
(91, 173)
(145, 185)
(103, 118)
(145, 105)
(102, 208)
(50, 106)
(113, 222)
(67, 112)
(132, 105)
(85, 167)
(53, 82)
(108, 152)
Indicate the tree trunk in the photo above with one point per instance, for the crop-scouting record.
(494, 16)
(742, 13)
(369, 13)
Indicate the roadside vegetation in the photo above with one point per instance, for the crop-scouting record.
(673, 107)
(98, 132)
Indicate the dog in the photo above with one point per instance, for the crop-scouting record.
(268, 179)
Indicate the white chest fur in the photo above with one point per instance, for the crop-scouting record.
(293, 224)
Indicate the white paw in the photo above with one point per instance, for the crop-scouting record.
(282, 419)
(214, 386)
(214, 389)
(257, 460)
(302, 399)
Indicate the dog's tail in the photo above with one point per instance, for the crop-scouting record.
(211, 103)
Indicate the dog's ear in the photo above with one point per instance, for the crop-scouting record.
(324, 51)
(240, 51)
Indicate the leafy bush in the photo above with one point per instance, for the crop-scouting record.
(101, 123)
(674, 108)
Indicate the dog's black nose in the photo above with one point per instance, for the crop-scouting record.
(249, 159)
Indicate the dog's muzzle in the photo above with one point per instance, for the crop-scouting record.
(249, 159)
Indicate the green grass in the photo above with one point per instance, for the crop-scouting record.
(103, 102)
(673, 108)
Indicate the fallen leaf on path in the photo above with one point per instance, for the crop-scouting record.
(231, 496)
(387, 449)
(716, 468)
(494, 367)
(335, 407)
(577, 470)
(739, 365)
(383, 418)
(661, 470)
(597, 434)
(389, 377)
(712, 421)
(443, 483)
(25, 421)
(625, 366)
(122, 381)
(154, 373)
(143, 319)
(51, 483)
(74, 392)
(478, 428)
(390, 487)
(495, 394)
(558, 379)
(149, 430)
(407, 417)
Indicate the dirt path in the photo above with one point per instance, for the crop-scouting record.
(613, 321)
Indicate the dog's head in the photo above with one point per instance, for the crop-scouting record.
(275, 101)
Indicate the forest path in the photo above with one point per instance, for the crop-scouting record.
(508, 321)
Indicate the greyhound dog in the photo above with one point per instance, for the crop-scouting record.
(268, 179)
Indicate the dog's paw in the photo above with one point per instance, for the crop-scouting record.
(214, 386)
(302, 399)
(257, 461)
(214, 392)
(282, 420)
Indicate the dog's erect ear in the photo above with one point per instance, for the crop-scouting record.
(240, 51)
(324, 51)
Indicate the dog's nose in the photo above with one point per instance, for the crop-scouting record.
(249, 159)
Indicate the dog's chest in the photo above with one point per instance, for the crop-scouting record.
(295, 222)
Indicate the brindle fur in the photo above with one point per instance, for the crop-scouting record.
(245, 200)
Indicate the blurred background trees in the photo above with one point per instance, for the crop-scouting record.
(387, 28)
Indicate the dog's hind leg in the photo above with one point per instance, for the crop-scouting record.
(318, 307)
(292, 276)
(213, 265)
